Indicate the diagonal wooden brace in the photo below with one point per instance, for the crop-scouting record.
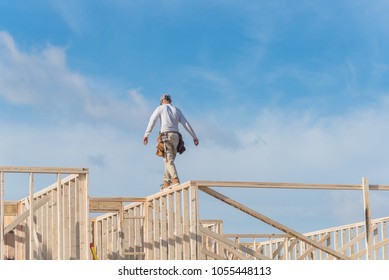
(272, 222)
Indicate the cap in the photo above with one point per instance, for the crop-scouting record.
(166, 97)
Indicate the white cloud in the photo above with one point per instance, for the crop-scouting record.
(37, 78)
(43, 80)
(74, 13)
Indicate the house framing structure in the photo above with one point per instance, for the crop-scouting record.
(60, 222)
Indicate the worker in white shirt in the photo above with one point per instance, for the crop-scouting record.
(169, 116)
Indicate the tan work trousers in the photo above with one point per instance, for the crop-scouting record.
(171, 144)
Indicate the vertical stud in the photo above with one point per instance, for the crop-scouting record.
(366, 204)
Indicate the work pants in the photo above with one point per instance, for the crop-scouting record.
(171, 144)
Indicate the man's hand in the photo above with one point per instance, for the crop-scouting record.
(145, 140)
(196, 141)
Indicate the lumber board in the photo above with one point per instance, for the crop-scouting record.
(73, 213)
(31, 217)
(84, 215)
(231, 253)
(174, 189)
(271, 222)
(164, 228)
(25, 215)
(233, 244)
(384, 236)
(195, 238)
(280, 245)
(171, 223)
(178, 226)
(127, 216)
(375, 247)
(134, 253)
(149, 231)
(280, 185)
(307, 252)
(211, 254)
(139, 227)
(256, 235)
(157, 229)
(117, 199)
(66, 220)
(59, 224)
(10, 208)
(186, 224)
(104, 206)
(48, 170)
(368, 229)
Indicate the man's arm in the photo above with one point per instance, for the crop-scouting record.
(188, 128)
(151, 124)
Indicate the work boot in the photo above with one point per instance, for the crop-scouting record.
(175, 182)
(165, 184)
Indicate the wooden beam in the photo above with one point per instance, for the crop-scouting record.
(25, 214)
(133, 253)
(353, 241)
(186, 224)
(256, 235)
(179, 238)
(117, 199)
(307, 252)
(271, 222)
(366, 205)
(10, 208)
(110, 204)
(171, 229)
(233, 244)
(104, 206)
(127, 216)
(49, 170)
(84, 216)
(274, 185)
(31, 217)
(59, 223)
(149, 252)
(211, 254)
(195, 236)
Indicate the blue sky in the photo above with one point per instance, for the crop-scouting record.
(280, 91)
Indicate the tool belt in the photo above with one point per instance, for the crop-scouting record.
(162, 137)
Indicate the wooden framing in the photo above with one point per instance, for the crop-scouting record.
(161, 226)
(170, 228)
(271, 222)
(366, 206)
(49, 224)
(56, 223)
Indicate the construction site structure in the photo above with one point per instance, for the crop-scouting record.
(59, 223)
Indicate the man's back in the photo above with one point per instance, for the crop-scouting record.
(170, 117)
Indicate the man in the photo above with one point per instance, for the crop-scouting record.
(169, 117)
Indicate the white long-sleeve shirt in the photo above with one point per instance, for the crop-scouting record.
(169, 117)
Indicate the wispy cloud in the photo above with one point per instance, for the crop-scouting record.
(42, 80)
(73, 13)
(37, 78)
